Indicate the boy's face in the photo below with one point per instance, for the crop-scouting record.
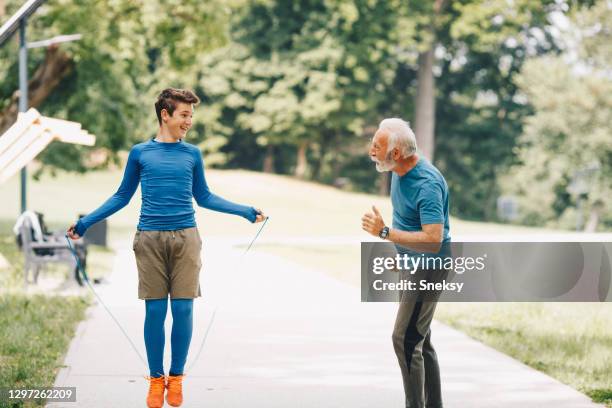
(179, 123)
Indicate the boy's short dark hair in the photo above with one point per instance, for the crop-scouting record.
(169, 97)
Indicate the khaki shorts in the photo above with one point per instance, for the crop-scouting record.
(168, 263)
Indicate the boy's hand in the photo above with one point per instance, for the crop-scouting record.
(260, 216)
(72, 233)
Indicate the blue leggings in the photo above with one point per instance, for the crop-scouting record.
(155, 338)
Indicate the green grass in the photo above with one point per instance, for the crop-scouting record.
(36, 332)
(37, 329)
(570, 342)
(9, 250)
(296, 208)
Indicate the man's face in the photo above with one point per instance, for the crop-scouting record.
(378, 151)
(180, 122)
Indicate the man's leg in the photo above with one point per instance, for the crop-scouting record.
(182, 328)
(412, 324)
(433, 390)
(154, 335)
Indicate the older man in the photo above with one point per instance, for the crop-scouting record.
(419, 195)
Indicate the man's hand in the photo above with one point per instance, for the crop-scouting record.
(260, 216)
(71, 232)
(372, 222)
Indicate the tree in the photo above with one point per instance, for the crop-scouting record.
(481, 46)
(298, 77)
(108, 80)
(566, 141)
(427, 24)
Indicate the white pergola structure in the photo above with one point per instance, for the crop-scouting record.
(31, 134)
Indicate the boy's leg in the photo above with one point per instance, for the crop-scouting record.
(182, 328)
(154, 335)
(150, 249)
(184, 265)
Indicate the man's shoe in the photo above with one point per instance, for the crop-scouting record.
(174, 395)
(157, 385)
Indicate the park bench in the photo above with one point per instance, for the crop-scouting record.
(52, 249)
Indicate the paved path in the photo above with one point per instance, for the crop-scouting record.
(284, 336)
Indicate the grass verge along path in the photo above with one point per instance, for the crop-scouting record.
(36, 332)
(571, 342)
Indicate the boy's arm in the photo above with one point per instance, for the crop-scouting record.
(205, 198)
(117, 201)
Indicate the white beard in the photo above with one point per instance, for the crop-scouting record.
(385, 165)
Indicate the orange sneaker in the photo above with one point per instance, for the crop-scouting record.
(174, 395)
(157, 385)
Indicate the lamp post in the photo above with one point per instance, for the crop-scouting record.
(23, 97)
(16, 22)
(23, 84)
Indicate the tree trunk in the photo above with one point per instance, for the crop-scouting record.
(425, 104)
(425, 115)
(594, 216)
(302, 163)
(2, 8)
(318, 164)
(268, 164)
(56, 66)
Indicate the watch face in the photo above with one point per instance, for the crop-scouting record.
(384, 232)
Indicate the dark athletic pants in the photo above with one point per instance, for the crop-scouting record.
(412, 343)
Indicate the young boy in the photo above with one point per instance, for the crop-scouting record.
(167, 244)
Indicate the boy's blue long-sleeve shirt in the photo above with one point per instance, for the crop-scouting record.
(170, 175)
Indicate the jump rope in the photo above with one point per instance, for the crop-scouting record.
(210, 323)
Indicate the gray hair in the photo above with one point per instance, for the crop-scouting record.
(400, 136)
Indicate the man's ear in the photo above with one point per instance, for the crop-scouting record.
(396, 154)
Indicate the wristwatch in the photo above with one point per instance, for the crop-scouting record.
(384, 233)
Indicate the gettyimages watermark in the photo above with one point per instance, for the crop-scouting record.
(488, 272)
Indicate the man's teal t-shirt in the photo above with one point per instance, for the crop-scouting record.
(420, 197)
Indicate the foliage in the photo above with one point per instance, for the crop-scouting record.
(297, 74)
(285, 84)
(569, 131)
(478, 117)
(128, 52)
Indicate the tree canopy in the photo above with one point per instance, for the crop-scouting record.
(299, 88)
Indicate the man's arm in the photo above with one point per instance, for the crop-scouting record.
(431, 212)
(429, 239)
(206, 199)
(117, 201)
